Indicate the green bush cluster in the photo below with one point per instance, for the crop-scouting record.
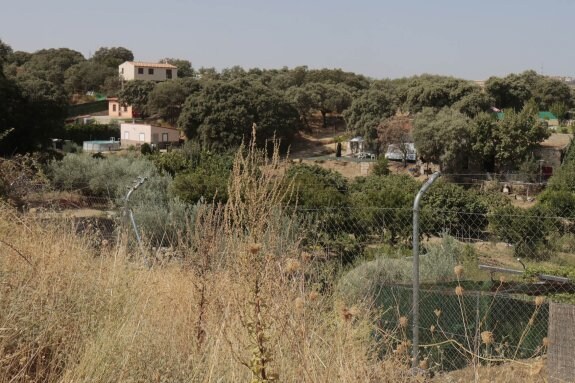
(78, 133)
(367, 280)
(159, 216)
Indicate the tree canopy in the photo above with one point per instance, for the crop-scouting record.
(167, 98)
(30, 110)
(515, 90)
(184, 66)
(432, 91)
(112, 57)
(367, 112)
(222, 114)
(136, 93)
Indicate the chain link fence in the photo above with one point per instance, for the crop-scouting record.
(497, 311)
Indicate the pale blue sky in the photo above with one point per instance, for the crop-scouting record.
(471, 39)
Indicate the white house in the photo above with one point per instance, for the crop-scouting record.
(138, 134)
(137, 70)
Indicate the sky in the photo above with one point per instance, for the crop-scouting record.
(471, 39)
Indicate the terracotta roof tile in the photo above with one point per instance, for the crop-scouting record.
(152, 65)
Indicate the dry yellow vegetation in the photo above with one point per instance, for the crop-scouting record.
(241, 302)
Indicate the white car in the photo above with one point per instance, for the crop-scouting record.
(395, 153)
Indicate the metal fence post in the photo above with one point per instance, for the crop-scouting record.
(129, 211)
(415, 302)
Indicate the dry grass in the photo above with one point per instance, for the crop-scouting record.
(241, 305)
(72, 315)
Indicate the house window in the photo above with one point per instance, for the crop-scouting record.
(142, 137)
(122, 70)
(126, 135)
(125, 108)
(140, 70)
(168, 73)
(150, 71)
(164, 137)
(113, 107)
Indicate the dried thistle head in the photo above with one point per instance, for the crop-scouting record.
(354, 311)
(502, 279)
(458, 270)
(254, 248)
(424, 364)
(487, 337)
(459, 291)
(403, 322)
(539, 300)
(403, 347)
(313, 295)
(437, 312)
(345, 314)
(292, 266)
(305, 256)
(432, 329)
(298, 304)
(545, 342)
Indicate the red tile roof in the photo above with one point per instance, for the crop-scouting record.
(152, 65)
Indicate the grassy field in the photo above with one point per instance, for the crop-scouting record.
(240, 300)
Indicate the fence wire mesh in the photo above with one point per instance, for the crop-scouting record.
(493, 313)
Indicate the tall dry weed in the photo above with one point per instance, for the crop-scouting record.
(241, 304)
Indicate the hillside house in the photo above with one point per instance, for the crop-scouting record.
(138, 134)
(138, 70)
(117, 110)
(552, 151)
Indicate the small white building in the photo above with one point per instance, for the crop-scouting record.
(138, 134)
(138, 70)
(355, 146)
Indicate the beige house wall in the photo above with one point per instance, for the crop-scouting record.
(129, 71)
(119, 111)
(138, 134)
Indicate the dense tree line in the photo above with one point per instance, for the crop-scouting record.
(453, 120)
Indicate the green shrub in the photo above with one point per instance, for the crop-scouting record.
(564, 177)
(146, 149)
(525, 229)
(317, 187)
(439, 259)
(380, 168)
(79, 133)
(449, 208)
(109, 176)
(172, 162)
(366, 280)
(207, 177)
(529, 170)
(382, 205)
(200, 184)
(560, 203)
